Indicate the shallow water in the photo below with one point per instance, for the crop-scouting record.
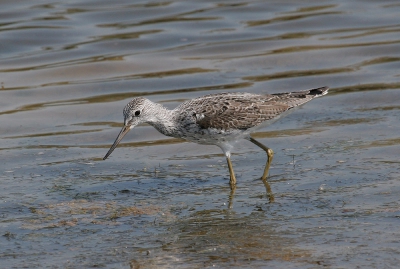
(68, 69)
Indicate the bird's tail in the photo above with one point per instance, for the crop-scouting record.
(294, 99)
(319, 91)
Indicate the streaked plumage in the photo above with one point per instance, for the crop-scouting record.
(216, 119)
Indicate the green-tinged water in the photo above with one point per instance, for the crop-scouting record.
(68, 68)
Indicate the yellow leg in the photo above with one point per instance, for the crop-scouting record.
(232, 180)
(270, 195)
(231, 195)
(270, 154)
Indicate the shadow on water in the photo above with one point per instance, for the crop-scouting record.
(213, 237)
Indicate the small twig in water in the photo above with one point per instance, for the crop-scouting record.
(294, 164)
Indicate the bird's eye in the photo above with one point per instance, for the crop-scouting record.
(137, 113)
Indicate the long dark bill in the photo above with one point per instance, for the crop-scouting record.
(121, 135)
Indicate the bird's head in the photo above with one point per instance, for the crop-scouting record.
(135, 112)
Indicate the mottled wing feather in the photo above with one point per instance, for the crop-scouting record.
(233, 110)
(244, 110)
(244, 116)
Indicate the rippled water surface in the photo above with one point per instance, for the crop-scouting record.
(67, 69)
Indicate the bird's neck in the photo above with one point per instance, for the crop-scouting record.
(163, 120)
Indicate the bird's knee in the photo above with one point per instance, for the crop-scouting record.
(270, 153)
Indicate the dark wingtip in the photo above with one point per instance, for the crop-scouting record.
(319, 91)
